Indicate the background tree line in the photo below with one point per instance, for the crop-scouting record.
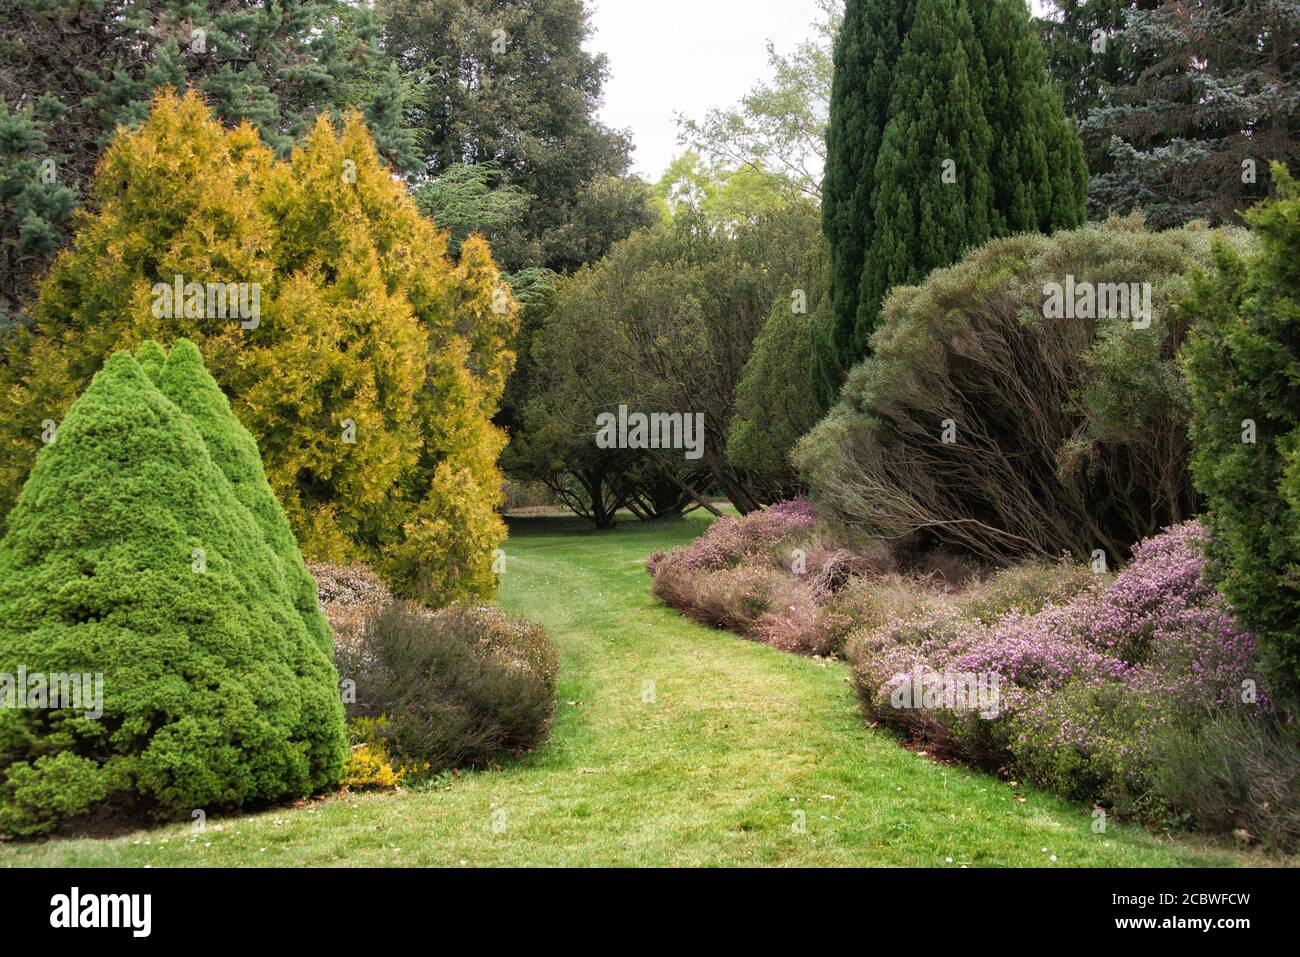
(488, 107)
(1104, 106)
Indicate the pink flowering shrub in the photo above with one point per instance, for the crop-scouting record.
(732, 598)
(1165, 581)
(741, 575)
(1090, 690)
(1085, 684)
(1027, 588)
(728, 540)
(793, 622)
(1039, 652)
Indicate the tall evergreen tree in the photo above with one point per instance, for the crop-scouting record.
(368, 372)
(944, 132)
(866, 52)
(933, 193)
(1086, 52)
(1040, 181)
(86, 68)
(35, 207)
(1191, 135)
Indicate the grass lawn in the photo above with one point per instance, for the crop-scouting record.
(740, 745)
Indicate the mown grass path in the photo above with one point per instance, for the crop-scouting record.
(740, 745)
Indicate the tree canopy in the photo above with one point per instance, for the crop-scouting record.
(943, 132)
(369, 372)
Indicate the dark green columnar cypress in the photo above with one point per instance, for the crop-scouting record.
(1038, 174)
(933, 194)
(866, 54)
(184, 379)
(129, 557)
(944, 132)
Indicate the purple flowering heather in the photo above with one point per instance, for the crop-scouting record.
(1165, 579)
(1040, 652)
(1087, 687)
(728, 540)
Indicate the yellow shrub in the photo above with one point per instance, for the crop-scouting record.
(367, 770)
(369, 377)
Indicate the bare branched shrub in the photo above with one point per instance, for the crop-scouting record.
(1062, 434)
(831, 569)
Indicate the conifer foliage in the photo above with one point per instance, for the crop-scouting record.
(130, 560)
(368, 376)
(181, 377)
(1191, 135)
(1243, 362)
(87, 68)
(943, 132)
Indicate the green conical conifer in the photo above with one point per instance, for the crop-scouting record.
(128, 556)
(184, 379)
(151, 357)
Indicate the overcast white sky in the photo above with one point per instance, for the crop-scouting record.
(669, 56)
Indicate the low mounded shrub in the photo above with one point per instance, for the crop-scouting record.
(348, 595)
(762, 576)
(793, 622)
(732, 598)
(368, 769)
(728, 540)
(1026, 587)
(866, 604)
(1093, 742)
(791, 585)
(459, 687)
(1236, 773)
